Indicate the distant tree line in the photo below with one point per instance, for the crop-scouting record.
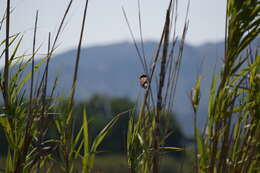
(100, 109)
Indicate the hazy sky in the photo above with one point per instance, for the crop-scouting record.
(106, 24)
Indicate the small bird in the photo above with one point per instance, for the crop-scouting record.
(143, 79)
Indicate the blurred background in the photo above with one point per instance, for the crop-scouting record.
(109, 66)
(109, 63)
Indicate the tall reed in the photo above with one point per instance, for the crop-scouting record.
(27, 114)
(145, 136)
(231, 137)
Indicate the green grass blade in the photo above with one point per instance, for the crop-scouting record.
(86, 143)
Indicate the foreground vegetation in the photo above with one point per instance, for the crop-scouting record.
(229, 143)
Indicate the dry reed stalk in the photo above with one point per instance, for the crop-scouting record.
(156, 142)
(6, 67)
(22, 156)
(69, 120)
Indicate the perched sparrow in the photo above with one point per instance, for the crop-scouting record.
(143, 79)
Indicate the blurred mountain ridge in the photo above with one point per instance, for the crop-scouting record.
(114, 70)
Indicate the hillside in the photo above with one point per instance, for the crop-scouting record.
(114, 70)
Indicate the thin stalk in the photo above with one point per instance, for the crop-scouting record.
(141, 36)
(194, 98)
(33, 56)
(179, 60)
(44, 80)
(60, 26)
(152, 70)
(135, 42)
(6, 67)
(43, 124)
(69, 123)
(156, 142)
(21, 157)
(75, 76)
